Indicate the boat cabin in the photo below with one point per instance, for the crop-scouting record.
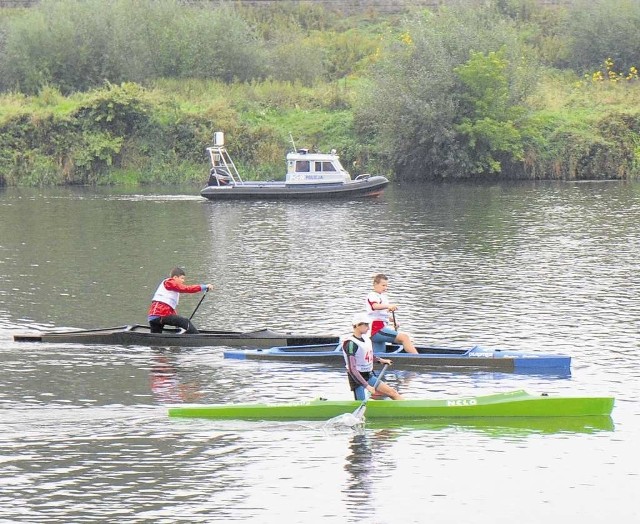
(304, 167)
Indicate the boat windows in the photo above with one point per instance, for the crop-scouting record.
(302, 166)
(324, 167)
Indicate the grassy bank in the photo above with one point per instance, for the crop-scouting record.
(126, 134)
(584, 129)
(134, 135)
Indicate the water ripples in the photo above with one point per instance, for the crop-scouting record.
(536, 267)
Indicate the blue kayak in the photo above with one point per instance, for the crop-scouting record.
(434, 357)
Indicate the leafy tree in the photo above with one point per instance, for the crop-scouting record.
(488, 114)
(296, 58)
(430, 108)
(77, 45)
(601, 29)
(118, 110)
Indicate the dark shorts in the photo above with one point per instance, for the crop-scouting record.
(358, 390)
(156, 324)
(353, 384)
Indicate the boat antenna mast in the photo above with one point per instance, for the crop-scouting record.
(292, 142)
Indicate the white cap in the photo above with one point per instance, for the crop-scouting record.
(361, 318)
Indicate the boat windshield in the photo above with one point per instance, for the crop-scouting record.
(325, 166)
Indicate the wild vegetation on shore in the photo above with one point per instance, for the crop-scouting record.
(115, 91)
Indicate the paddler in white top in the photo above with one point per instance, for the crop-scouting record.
(162, 311)
(378, 308)
(358, 356)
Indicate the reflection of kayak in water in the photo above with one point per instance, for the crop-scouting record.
(164, 382)
(504, 426)
(502, 405)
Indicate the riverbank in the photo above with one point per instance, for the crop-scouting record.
(132, 135)
(501, 91)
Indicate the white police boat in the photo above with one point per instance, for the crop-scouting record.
(309, 175)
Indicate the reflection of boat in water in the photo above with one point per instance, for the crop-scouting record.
(390, 429)
(309, 175)
(506, 426)
(167, 385)
(512, 404)
(429, 357)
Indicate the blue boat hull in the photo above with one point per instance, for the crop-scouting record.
(476, 357)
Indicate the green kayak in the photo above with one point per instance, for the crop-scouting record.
(511, 404)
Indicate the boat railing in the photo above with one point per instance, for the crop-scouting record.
(223, 170)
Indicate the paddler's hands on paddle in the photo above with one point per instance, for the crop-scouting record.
(392, 309)
(206, 288)
(386, 363)
(395, 323)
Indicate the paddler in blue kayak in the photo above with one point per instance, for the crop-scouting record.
(162, 311)
(378, 308)
(358, 356)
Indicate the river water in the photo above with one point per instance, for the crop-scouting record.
(85, 434)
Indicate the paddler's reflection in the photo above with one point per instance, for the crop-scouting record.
(166, 384)
(367, 462)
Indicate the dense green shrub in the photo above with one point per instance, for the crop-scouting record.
(488, 113)
(119, 110)
(297, 59)
(579, 144)
(447, 97)
(80, 146)
(77, 45)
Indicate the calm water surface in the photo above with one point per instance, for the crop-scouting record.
(538, 267)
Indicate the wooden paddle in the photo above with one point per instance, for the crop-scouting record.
(359, 412)
(393, 317)
(196, 309)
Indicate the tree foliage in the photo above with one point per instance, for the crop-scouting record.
(596, 30)
(487, 114)
(77, 45)
(444, 93)
(447, 97)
